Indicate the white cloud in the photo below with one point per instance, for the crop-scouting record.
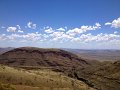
(115, 32)
(18, 26)
(20, 31)
(60, 29)
(49, 30)
(11, 29)
(60, 36)
(77, 39)
(29, 37)
(3, 37)
(115, 23)
(70, 34)
(74, 31)
(32, 36)
(88, 38)
(57, 34)
(108, 23)
(98, 25)
(31, 25)
(14, 29)
(25, 37)
(83, 38)
(13, 36)
(83, 29)
(46, 27)
(99, 37)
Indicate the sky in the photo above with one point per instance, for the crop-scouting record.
(79, 24)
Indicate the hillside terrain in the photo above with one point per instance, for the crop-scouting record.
(40, 79)
(93, 74)
(40, 57)
(105, 76)
(27, 57)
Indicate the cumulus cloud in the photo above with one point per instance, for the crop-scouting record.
(61, 29)
(3, 37)
(97, 38)
(15, 29)
(18, 26)
(32, 36)
(31, 25)
(20, 31)
(97, 25)
(13, 36)
(83, 29)
(11, 29)
(108, 23)
(57, 34)
(83, 38)
(49, 30)
(23, 37)
(115, 23)
(61, 35)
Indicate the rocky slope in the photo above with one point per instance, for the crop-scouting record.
(29, 56)
(98, 75)
(104, 76)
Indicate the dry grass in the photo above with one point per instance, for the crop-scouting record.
(42, 79)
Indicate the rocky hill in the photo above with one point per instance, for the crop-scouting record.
(98, 75)
(30, 56)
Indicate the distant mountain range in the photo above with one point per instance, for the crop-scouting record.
(3, 50)
(100, 55)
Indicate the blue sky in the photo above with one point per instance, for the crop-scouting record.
(82, 24)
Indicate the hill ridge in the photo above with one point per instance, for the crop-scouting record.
(42, 56)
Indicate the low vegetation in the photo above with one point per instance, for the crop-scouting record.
(6, 87)
(40, 79)
(104, 76)
(55, 69)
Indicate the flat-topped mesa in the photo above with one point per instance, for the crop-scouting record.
(50, 57)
